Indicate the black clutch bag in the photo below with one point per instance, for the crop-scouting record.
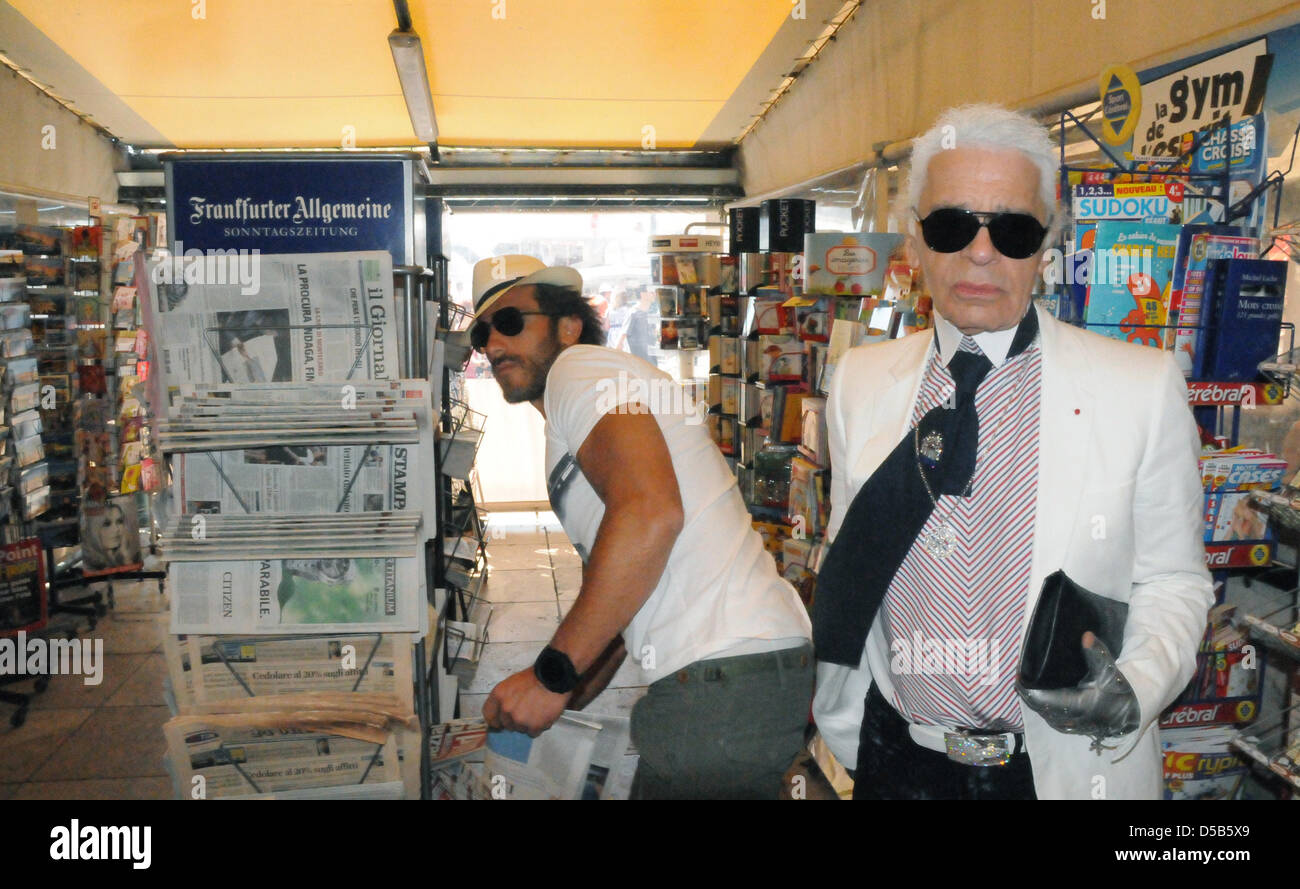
(1052, 654)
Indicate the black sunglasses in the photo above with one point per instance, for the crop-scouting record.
(508, 322)
(950, 229)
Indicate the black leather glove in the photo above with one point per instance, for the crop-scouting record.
(1102, 706)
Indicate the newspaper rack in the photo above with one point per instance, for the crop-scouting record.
(190, 537)
(1276, 745)
(455, 337)
(460, 444)
(463, 643)
(414, 289)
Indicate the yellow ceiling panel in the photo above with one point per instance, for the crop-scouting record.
(574, 124)
(274, 73)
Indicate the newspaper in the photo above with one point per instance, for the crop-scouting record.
(312, 317)
(456, 740)
(553, 765)
(387, 791)
(223, 756)
(284, 596)
(610, 773)
(221, 672)
(295, 478)
(582, 756)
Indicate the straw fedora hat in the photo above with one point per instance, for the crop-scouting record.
(498, 275)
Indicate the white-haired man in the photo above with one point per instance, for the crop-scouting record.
(974, 461)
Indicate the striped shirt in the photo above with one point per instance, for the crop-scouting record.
(952, 626)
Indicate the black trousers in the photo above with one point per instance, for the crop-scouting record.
(893, 766)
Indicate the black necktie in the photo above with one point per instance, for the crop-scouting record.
(889, 511)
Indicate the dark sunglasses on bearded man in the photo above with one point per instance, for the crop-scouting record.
(508, 321)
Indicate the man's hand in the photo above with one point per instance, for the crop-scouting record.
(1103, 705)
(522, 704)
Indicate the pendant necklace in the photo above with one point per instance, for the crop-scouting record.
(941, 540)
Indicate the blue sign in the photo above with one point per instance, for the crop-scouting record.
(290, 205)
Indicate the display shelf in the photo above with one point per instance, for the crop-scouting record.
(1275, 623)
(1269, 747)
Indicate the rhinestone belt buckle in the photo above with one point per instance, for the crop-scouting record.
(977, 750)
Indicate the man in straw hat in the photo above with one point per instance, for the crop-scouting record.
(672, 569)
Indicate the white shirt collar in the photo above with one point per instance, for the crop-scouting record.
(995, 344)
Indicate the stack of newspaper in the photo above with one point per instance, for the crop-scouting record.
(304, 743)
(217, 416)
(215, 674)
(197, 537)
(223, 674)
(582, 756)
(296, 535)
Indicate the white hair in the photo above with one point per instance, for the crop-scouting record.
(985, 126)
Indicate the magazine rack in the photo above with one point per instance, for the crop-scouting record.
(1219, 183)
(1267, 745)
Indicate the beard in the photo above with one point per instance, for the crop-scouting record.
(533, 369)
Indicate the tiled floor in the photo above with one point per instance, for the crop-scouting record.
(100, 741)
(106, 741)
(533, 578)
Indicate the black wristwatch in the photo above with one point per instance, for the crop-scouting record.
(555, 671)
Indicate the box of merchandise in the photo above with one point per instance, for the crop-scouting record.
(1234, 517)
(837, 264)
(1241, 470)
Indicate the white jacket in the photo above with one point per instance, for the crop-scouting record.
(1120, 509)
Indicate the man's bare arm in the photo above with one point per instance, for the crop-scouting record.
(626, 461)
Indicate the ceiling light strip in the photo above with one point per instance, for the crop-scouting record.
(49, 92)
(839, 20)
